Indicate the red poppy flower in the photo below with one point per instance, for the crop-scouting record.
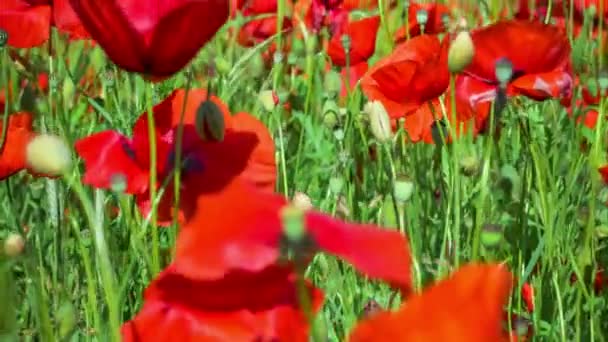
(540, 56)
(437, 15)
(28, 22)
(317, 14)
(527, 294)
(362, 35)
(364, 5)
(415, 73)
(251, 237)
(247, 150)
(157, 38)
(241, 306)
(12, 149)
(466, 307)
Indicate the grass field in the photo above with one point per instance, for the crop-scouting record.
(522, 186)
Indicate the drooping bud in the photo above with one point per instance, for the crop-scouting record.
(292, 219)
(49, 154)
(469, 165)
(210, 123)
(422, 16)
(222, 65)
(403, 189)
(268, 99)
(330, 114)
(379, 121)
(503, 70)
(332, 82)
(461, 52)
(491, 235)
(14, 245)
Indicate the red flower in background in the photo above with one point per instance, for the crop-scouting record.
(414, 73)
(362, 35)
(588, 105)
(28, 22)
(539, 54)
(317, 14)
(12, 148)
(246, 150)
(466, 307)
(436, 15)
(156, 38)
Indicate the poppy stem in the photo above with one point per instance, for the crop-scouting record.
(153, 180)
(177, 167)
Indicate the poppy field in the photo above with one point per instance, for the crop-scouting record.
(303, 170)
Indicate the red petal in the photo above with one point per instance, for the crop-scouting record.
(532, 48)
(67, 21)
(604, 172)
(240, 307)
(261, 169)
(467, 307)
(374, 251)
(181, 33)
(105, 157)
(416, 72)
(12, 153)
(362, 35)
(26, 26)
(543, 86)
(110, 26)
(212, 243)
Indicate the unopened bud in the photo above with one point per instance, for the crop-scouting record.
(346, 42)
(503, 70)
(210, 124)
(14, 245)
(49, 154)
(403, 189)
(469, 165)
(302, 201)
(222, 65)
(491, 234)
(292, 218)
(268, 99)
(332, 82)
(379, 121)
(330, 113)
(461, 52)
(422, 16)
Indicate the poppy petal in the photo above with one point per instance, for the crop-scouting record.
(18, 134)
(466, 307)
(26, 27)
(543, 86)
(108, 155)
(362, 35)
(181, 33)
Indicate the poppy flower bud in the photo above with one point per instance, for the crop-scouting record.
(48, 154)
(330, 113)
(332, 82)
(469, 165)
(379, 122)
(403, 189)
(336, 184)
(210, 123)
(302, 201)
(292, 219)
(503, 70)
(268, 99)
(461, 52)
(14, 245)
(222, 65)
(422, 16)
(3, 38)
(491, 234)
(346, 42)
(118, 183)
(66, 317)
